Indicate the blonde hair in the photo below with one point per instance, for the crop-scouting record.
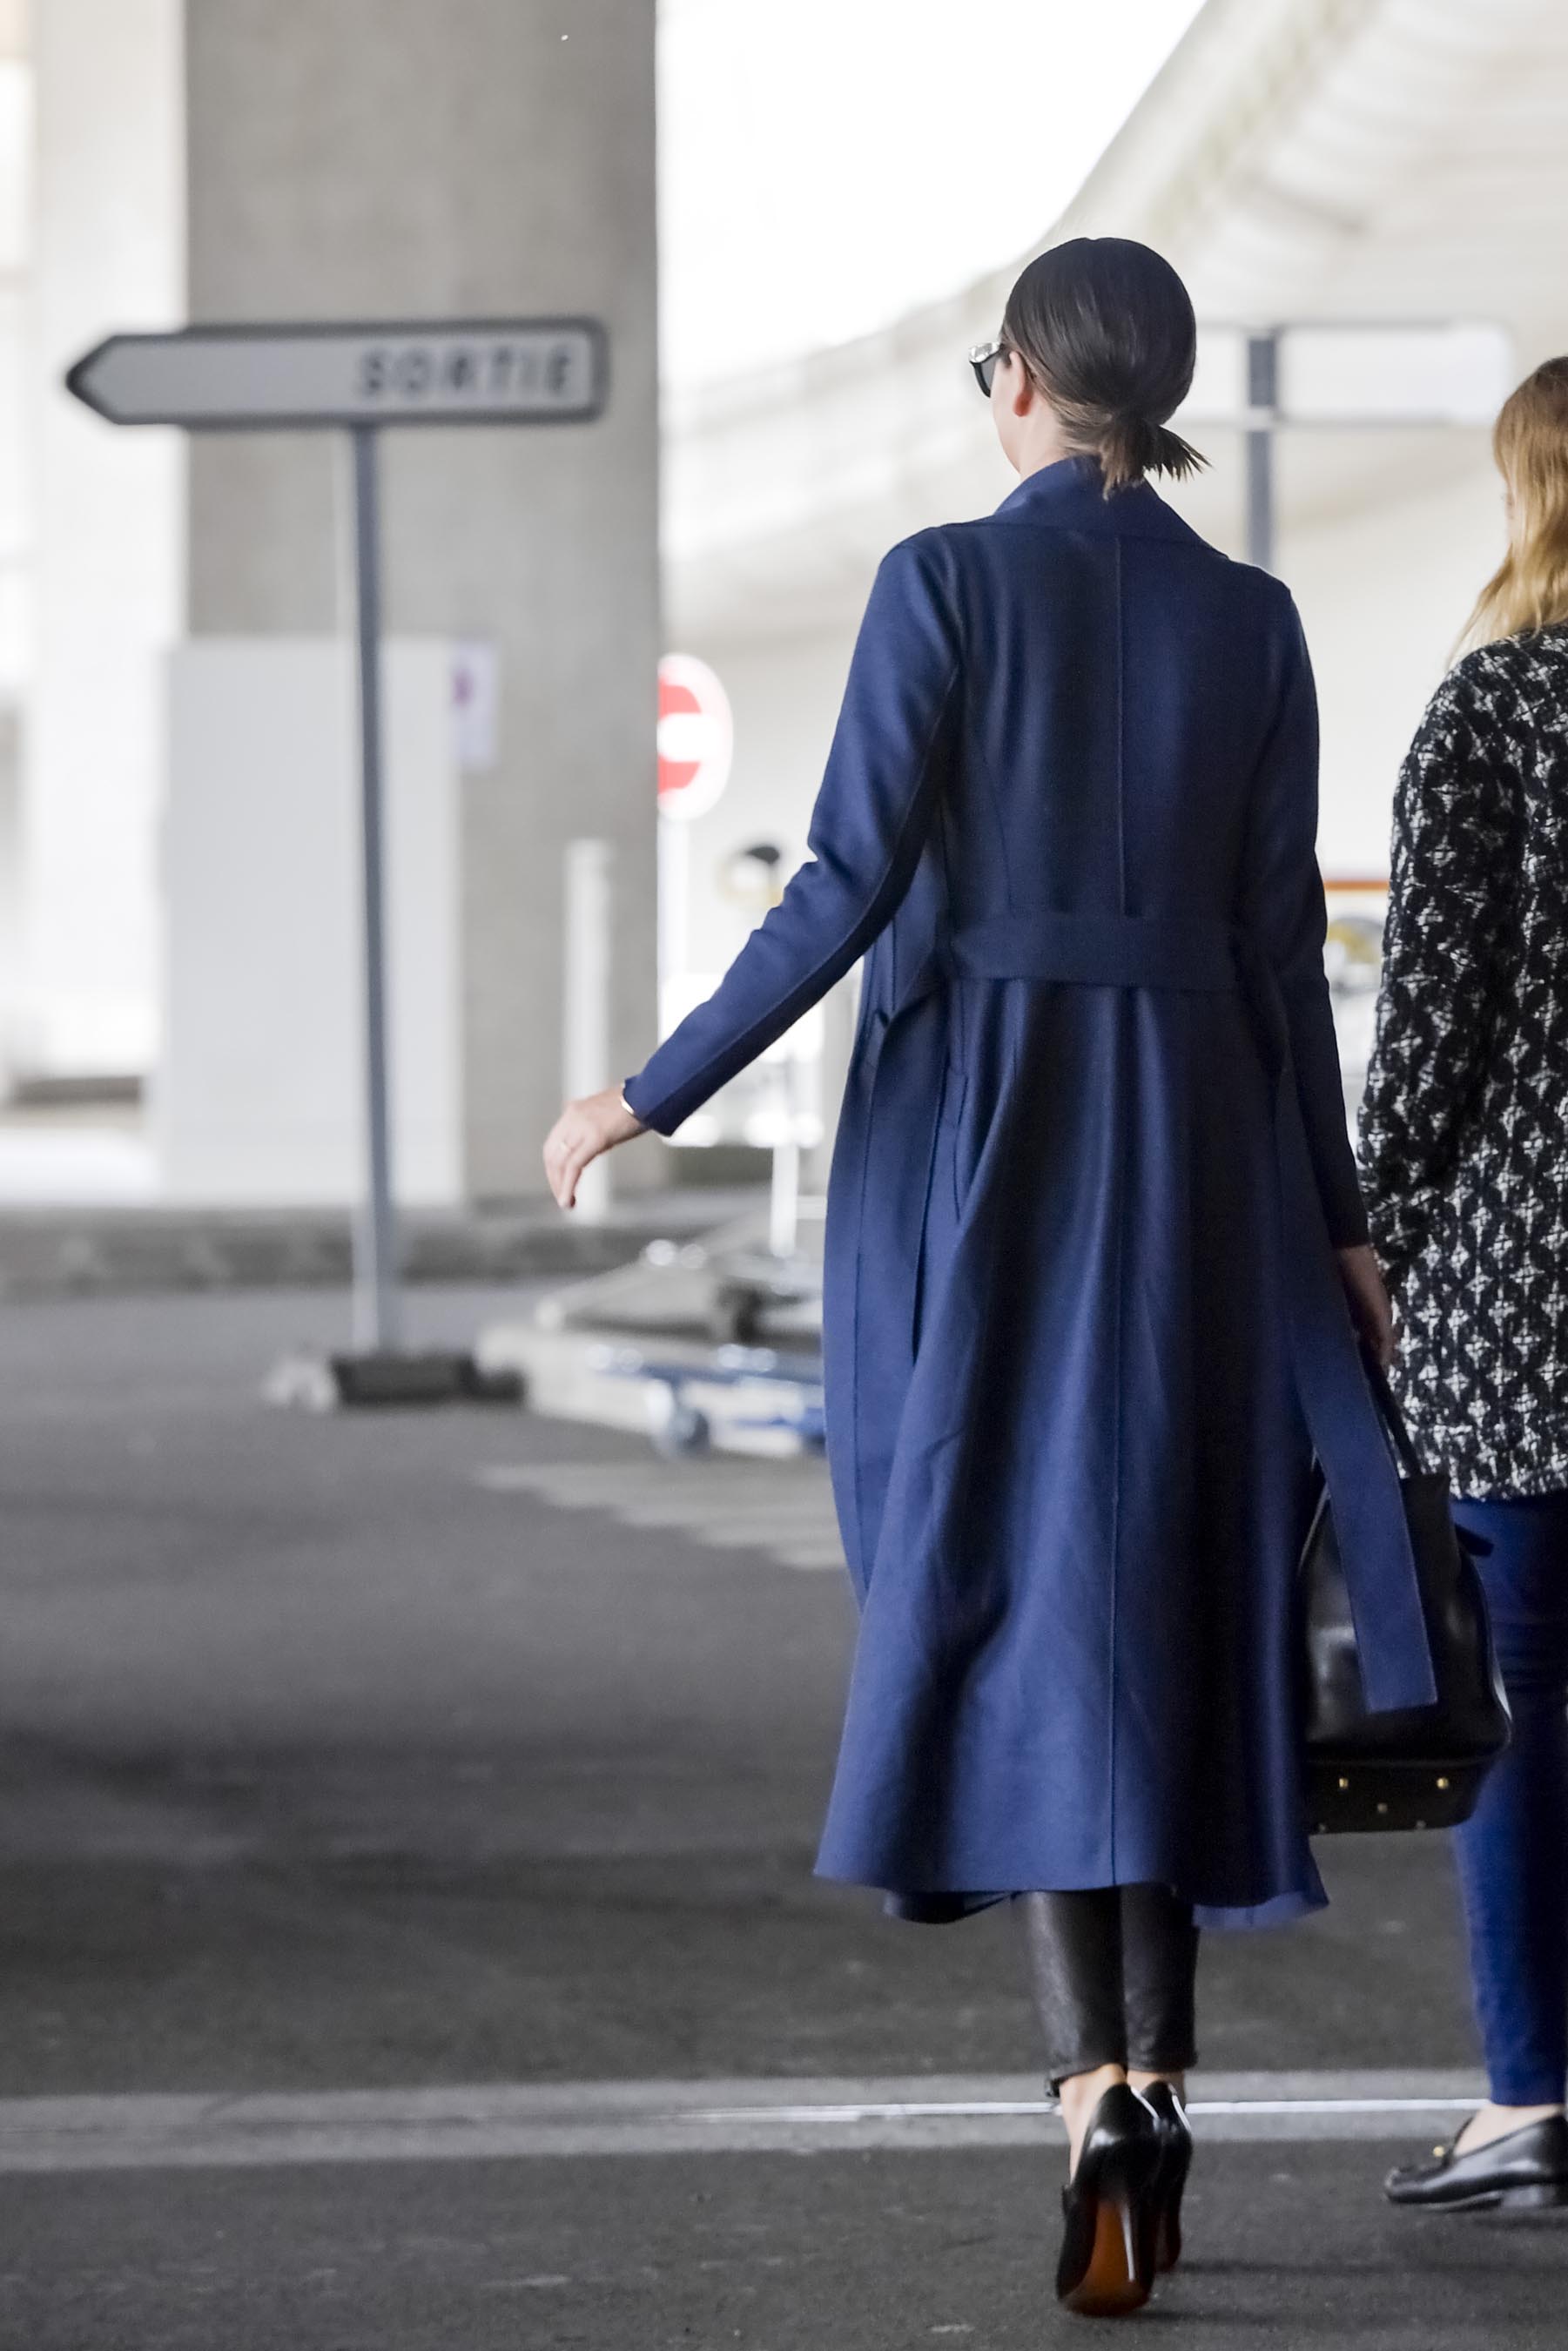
(1529, 590)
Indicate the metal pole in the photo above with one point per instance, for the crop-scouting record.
(376, 1320)
(1262, 415)
(585, 994)
(674, 863)
(784, 1200)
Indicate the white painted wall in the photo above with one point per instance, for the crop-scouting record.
(785, 698)
(16, 525)
(1384, 594)
(106, 530)
(259, 1079)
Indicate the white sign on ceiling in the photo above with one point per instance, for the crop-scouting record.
(1357, 372)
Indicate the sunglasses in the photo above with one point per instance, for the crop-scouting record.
(985, 359)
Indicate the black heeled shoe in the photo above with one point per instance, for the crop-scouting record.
(1105, 2271)
(1527, 2171)
(1164, 2103)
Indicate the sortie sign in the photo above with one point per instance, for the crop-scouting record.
(360, 377)
(456, 372)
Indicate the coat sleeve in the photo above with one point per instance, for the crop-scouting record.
(873, 815)
(1289, 920)
(1451, 879)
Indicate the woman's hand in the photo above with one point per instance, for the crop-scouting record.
(1367, 1296)
(585, 1128)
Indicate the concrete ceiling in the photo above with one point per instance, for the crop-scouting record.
(1294, 159)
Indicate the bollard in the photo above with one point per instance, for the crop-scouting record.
(585, 997)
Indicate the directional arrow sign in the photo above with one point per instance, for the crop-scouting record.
(359, 376)
(1327, 372)
(1363, 371)
(443, 371)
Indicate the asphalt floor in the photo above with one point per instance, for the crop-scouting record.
(332, 1760)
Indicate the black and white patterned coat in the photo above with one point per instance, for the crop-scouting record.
(1464, 1129)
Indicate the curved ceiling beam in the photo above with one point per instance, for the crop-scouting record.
(1290, 157)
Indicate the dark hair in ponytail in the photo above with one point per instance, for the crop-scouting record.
(1106, 328)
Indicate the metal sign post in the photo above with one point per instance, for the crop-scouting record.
(359, 379)
(376, 1316)
(1262, 415)
(1356, 373)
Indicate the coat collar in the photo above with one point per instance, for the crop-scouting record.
(1069, 497)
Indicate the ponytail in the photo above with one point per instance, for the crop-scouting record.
(1106, 328)
(1131, 446)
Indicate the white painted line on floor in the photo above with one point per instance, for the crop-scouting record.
(197, 2131)
(782, 1510)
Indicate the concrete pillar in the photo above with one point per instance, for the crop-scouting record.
(385, 157)
(105, 534)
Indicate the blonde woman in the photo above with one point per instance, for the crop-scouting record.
(1465, 1166)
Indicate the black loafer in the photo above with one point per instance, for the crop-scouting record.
(1526, 2171)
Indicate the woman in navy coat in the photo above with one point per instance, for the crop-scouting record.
(1095, 1251)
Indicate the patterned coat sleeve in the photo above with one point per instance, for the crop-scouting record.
(1451, 885)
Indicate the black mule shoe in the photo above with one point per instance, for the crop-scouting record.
(1104, 2270)
(1526, 2171)
(1164, 2103)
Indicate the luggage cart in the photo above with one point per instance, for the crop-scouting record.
(682, 1397)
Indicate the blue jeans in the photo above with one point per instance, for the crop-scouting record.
(1513, 1851)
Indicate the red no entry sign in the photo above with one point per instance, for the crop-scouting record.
(696, 736)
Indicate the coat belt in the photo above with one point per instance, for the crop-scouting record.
(1212, 957)
(1102, 950)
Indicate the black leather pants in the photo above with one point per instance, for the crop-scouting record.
(1114, 1970)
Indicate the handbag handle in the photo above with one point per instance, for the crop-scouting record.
(1397, 1430)
(1394, 1425)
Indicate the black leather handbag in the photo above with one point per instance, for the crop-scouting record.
(1421, 1767)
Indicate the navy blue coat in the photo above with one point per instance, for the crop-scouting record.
(1083, 1326)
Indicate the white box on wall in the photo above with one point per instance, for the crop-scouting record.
(258, 1099)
